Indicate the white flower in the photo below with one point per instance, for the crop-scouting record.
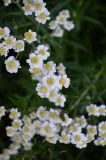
(16, 124)
(64, 138)
(3, 50)
(102, 110)
(10, 131)
(51, 81)
(67, 121)
(61, 19)
(42, 90)
(78, 138)
(42, 16)
(7, 2)
(102, 127)
(48, 129)
(52, 95)
(37, 126)
(54, 116)
(64, 81)
(75, 129)
(30, 36)
(92, 110)
(61, 69)
(38, 5)
(19, 46)
(42, 50)
(28, 9)
(81, 121)
(42, 114)
(2, 111)
(65, 13)
(35, 61)
(52, 139)
(12, 65)
(4, 32)
(49, 68)
(58, 32)
(14, 114)
(91, 129)
(69, 25)
(36, 71)
(60, 100)
(9, 42)
(53, 25)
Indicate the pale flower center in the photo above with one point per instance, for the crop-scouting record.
(11, 64)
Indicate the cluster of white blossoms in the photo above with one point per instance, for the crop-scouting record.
(60, 23)
(94, 110)
(50, 79)
(35, 7)
(53, 125)
(9, 42)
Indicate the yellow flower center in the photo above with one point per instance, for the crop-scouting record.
(11, 64)
(2, 32)
(44, 90)
(2, 51)
(77, 138)
(62, 81)
(38, 5)
(28, 36)
(27, 7)
(50, 81)
(48, 129)
(36, 71)
(42, 16)
(19, 45)
(48, 67)
(42, 52)
(35, 60)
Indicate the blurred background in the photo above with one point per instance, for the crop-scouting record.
(82, 51)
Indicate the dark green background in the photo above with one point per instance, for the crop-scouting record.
(83, 53)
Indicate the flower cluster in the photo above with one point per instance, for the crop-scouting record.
(60, 23)
(35, 7)
(11, 43)
(53, 125)
(94, 110)
(50, 82)
(38, 7)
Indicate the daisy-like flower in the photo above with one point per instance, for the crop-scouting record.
(28, 9)
(3, 50)
(42, 16)
(65, 13)
(12, 65)
(42, 90)
(61, 19)
(48, 129)
(67, 121)
(2, 111)
(9, 42)
(54, 116)
(30, 36)
(92, 110)
(102, 127)
(38, 5)
(35, 61)
(91, 129)
(58, 32)
(69, 25)
(32, 115)
(36, 71)
(53, 25)
(60, 100)
(4, 32)
(78, 138)
(64, 138)
(52, 95)
(14, 114)
(7, 2)
(102, 110)
(49, 68)
(61, 69)
(64, 81)
(42, 114)
(10, 131)
(19, 46)
(51, 81)
(16, 124)
(42, 50)
(75, 129)
(81, 121)
(53, 139)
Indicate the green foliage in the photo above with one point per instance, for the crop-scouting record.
(82, 51)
